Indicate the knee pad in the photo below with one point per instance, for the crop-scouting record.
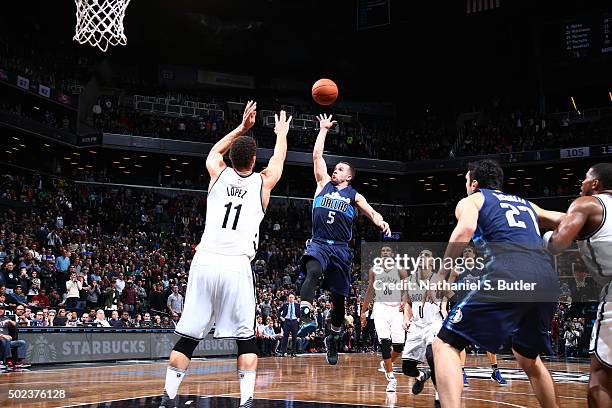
(186, 346)
(247, 346)
(430, 361)
(398, 348)
(385, 348)
(409, 368)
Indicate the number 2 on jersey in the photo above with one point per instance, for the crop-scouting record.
(513, 211)
(227, 213)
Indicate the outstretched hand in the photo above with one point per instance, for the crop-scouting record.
(384, 226)
(281, 124)
(326, 122)
(248, 117)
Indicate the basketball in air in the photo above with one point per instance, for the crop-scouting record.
(324, 92)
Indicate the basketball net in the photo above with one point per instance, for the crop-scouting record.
(100, 22)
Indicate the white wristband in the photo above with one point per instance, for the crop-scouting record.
(546, 238)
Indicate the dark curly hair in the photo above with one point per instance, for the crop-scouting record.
(603, 173)
(488, 173)
(242, 151)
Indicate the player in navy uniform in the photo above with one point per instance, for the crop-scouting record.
(506, 228)
(470, 273)
(327, 253)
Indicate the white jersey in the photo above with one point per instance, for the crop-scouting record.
(422, 313)
(387, 287)
(234, 210)
(596, 249)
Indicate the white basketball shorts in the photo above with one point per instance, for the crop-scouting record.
(601, 337)
(388, 321)
(220, 291)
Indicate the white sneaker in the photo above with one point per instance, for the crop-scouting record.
(382, 367)
(392, 385)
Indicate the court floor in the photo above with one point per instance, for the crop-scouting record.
(301, 382)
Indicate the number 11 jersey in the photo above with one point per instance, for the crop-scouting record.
(234, 210)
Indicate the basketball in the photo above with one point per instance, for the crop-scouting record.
(325, 92)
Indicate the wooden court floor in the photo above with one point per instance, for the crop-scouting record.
(306, 380)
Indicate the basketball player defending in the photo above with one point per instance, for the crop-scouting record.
(327, 252)
(221, 285)
(589, 219)
(506, 227)
(422, 321)
(387, 313)
(470, 273)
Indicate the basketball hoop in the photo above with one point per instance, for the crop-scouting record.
(100, 22)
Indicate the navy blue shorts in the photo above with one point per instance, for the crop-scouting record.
(479, 319)
(335, 260)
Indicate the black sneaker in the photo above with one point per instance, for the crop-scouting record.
(167, 402)
(418, 385)
(437, 404)
(248, 403)
(331, 344)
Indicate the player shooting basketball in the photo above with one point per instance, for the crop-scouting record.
(327, 252)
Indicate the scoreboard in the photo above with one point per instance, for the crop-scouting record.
(586, 36)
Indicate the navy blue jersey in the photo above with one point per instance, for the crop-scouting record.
(332, 213)
(506, 220)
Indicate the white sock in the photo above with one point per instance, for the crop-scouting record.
(247, 385)
(390, 376)
(437, 397)
(174, 376)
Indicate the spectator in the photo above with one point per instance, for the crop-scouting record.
(114, 320)
(51, 318)
(93, 293)
(10, 278)
(290, 316)
(18, 296)
(100, 320)
(111, 297)
(175, 301)
(157, 299)
(73, 287)
(129, 298)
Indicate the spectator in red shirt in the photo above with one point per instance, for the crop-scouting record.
(41, 300)
(129, 297)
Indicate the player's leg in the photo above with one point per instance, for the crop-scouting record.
(432, 366)
(414, 354)
(314, 262)
(530, 340)
(600, 347)
(195, 322)
(495, 375)
(541, 380)
(247, 369)
(447, 364)
(600, 384)
(332, 340)
(463, 357)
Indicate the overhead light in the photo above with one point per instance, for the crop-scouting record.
(16, 138)
(184, 163)
(511, 183)
(428, 184)
(22, 145)
(126, 171)
(46, 145)
(76, 153)
(365, 183)
(126, 158)
(422, 180)
(428, 189)
(36, 107)
(564, 178)
(527, 185)
(67, 158)
(166, 166)
(520, 169)
(528, 178)
(570, 174)
(89, 166)
(374, 179)
(391, 178)
(143, 156)
(178, 171)
(567, 169)
(166, 175)
(80, 168)
(122, 167)
(92, 152)
(459, 174)
(430, 177)
(137, 165)
(173, 158)
(374, 185)
(8, 151)
(116, 162)
(445, 190)
(74, 163)
(549, 167)
(442, 184)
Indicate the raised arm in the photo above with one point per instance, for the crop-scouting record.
(547, 219)
(273, 172)
(372, 214)
(214, 160)
(320, 167)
